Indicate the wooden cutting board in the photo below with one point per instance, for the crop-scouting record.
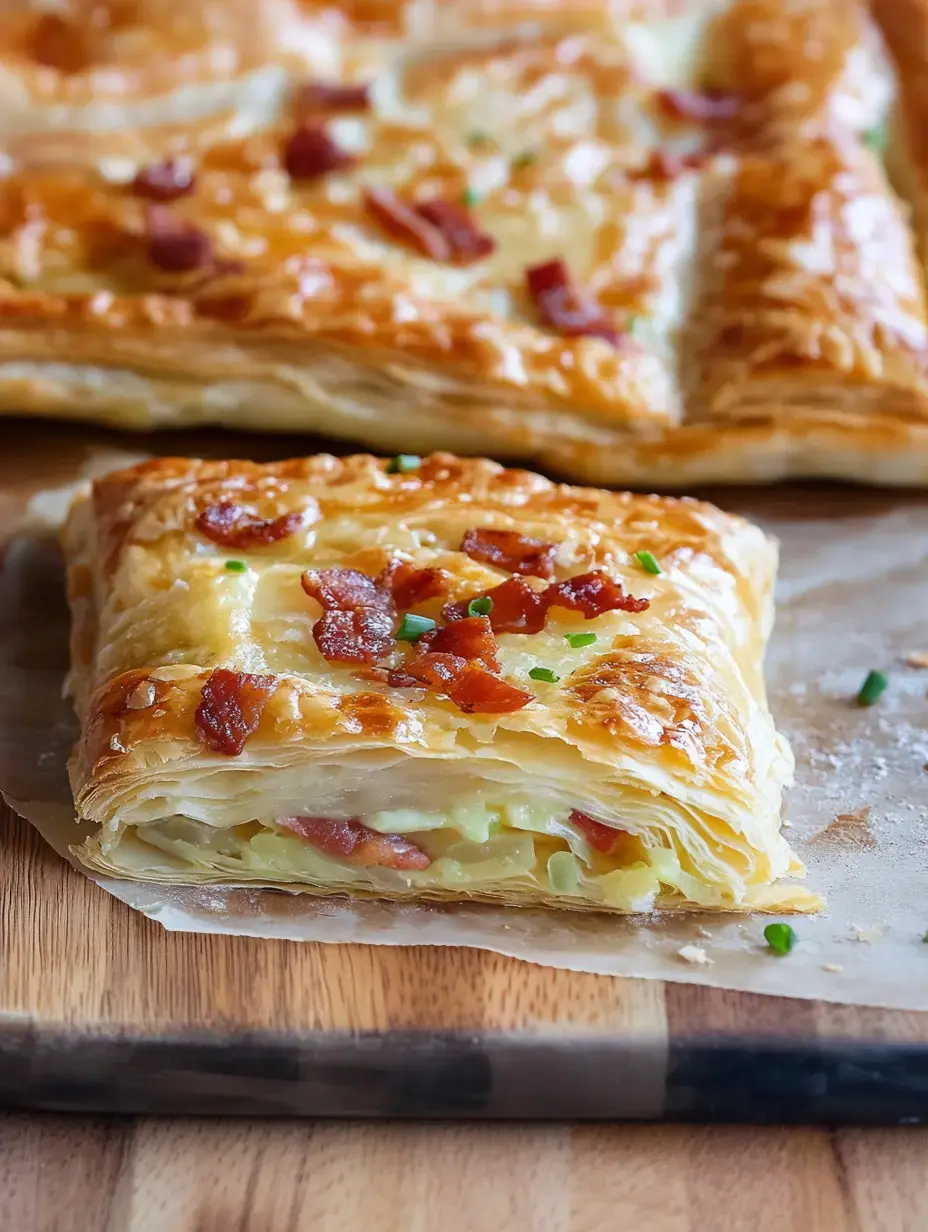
(102, 1010)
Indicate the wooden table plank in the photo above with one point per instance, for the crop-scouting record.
(214, 1176)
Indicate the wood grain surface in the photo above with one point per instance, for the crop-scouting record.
(61, 1174)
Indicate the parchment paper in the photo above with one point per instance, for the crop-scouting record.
(853, 595)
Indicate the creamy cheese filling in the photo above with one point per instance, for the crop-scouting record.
(473, 847)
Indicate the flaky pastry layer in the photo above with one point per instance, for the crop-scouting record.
(633, 768)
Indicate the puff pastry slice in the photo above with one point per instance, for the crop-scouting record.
(431, 679)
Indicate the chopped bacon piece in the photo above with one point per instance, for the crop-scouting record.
(362, 636)
(563, 307)
(356, 625)
(401, 679)
(466, 241)
(406, 223)
(517, 608)
(324, 96)
(602, 837)
(507, 549)
(230, 709)
(165, 181)
(310, 152)
(478, 691)
(664, 166)
(694, 105)
(231, 526)
(592, 594)
(357, 842)
(469, 686)
(174, 245)
(471, 638)
(60, 43)
(346, 590)
(410, 585)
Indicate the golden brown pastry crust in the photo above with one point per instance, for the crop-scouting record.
(667, 704)
(758, 266)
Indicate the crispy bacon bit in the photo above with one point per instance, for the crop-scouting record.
(478, 691)
(406, 223)
(174, 245)
(602, 837)
(363, 636)
(664, 166)
(61, 43)
(231, 526)
(517, 608)
(592, 594)
(310, 152)
(355, 841)
(345, 590)
(410, 585)
(562, 306)
(356, 625)
(471, 638)
(165, 181)
(702, 107)
(230, 709)
(466, 241)
(471, 687)
(324, 96)
(507, 549)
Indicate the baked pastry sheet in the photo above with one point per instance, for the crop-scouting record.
(432, 680)
(633, 244)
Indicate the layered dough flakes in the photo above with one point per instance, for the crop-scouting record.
(632, 243)
(428, 679)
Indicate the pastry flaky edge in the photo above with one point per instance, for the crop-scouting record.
(664, 718)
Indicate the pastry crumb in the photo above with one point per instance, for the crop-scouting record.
(695, 954)
(703, 931)
(836, 968)
(867, 933)
(917, 658)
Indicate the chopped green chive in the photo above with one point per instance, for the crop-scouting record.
(478, 137)
(236, 566)
(480, 607)
(525, 159)
(872, 689)
(648, 562)
(925, 938)
(545, 674)
(470, 196)
(632, 323)
(412, 627)
(403, 463)
(780, 938)
(875, 138)
(579, 639)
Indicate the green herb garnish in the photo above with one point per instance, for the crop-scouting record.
(403, 463)
(525, 159)
(236, 566)
(632, 323)
(648, 562)
(470, 196)
(412, 627)
(478, 137)
(480, 607)
(872, 689)
(545, 674)
(780, 938)
(576, 640)
(875, 138)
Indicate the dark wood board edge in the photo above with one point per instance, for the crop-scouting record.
(458, 1076)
